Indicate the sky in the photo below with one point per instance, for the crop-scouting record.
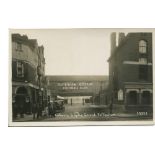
(73, 51)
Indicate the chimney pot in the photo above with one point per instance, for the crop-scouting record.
(113, 41)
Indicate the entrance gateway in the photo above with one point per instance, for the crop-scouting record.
(22, 100)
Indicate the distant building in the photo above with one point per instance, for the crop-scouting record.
(28, 72)
(68, 86)
(130, 71)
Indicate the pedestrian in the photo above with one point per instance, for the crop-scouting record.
(21, 109)
(111, 107)
(39, 110)
(49, 109)
(34, 110)
(46, 111)
(15, 110)
(53, 111)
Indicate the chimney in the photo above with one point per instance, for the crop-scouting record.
(121, 37)
(113, 41)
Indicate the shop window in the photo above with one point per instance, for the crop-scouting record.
(142, 46)
(20, 69)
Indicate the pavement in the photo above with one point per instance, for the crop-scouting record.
(86, 113)
(84, 117)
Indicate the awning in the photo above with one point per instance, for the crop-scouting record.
(60, 97)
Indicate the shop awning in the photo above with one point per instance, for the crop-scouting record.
(60, 97)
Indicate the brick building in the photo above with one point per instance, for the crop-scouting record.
(28, 72)
(130, 71)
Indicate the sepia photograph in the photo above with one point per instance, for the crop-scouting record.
(77, 77)
(81, 76)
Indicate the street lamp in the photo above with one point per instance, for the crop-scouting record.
(39, 81)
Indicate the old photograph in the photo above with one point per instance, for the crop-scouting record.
(81, 76)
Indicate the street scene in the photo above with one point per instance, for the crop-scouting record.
(81, 75)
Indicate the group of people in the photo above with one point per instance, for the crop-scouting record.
(48, 111)
(38, 110)
(18, 110)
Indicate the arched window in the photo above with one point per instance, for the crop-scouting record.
(142, 46)
(120, 95)
(21, 90)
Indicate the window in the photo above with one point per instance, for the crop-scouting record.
(120, 95)
(20, 69)
(143, 72)
(19, 47)
(142, 60)
(142, 46)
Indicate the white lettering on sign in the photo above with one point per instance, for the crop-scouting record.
(83, 88)
(85, 84)
(74, 86)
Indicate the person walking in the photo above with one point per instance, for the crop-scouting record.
(53, 111)
(15, 110)
(39, 111)
(49, 109)
(111, 107)
(46, 111)
(34, 110)
(21, 107)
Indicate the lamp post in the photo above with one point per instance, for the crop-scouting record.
(39, 82)
(40, 93)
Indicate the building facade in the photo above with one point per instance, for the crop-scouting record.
(68, 86)
(130, 71)
(42, 82)
(28, 73)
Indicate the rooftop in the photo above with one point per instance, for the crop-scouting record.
(16, 37)
(125, 39)
(78, 77)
